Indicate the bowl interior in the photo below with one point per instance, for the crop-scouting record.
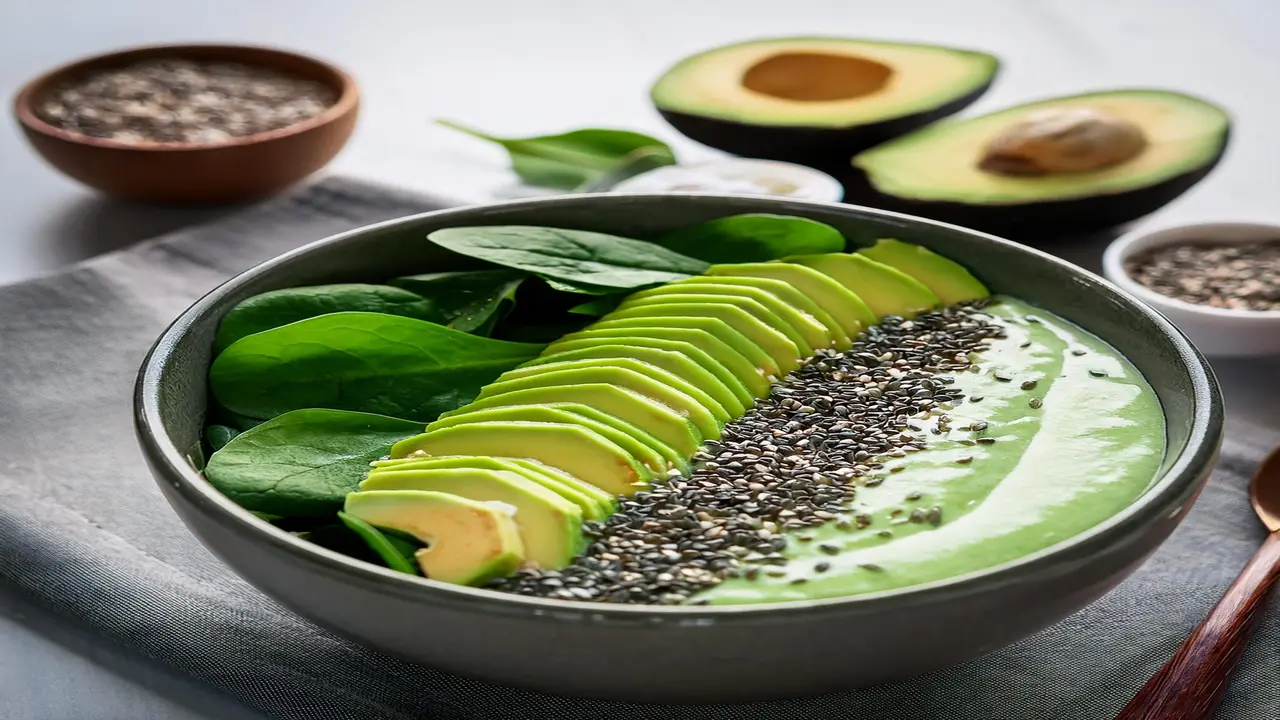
(172, 389)
(28, 98)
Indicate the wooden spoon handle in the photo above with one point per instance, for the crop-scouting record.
(1191, 684)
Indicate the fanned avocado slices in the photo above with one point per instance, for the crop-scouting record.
(841, 303)
(807, 328)
(885, 290)
(948, 279)
(550, 526)
(720, 331)
(467, 542)
(787, 294)
(784, 353)
(572, 448)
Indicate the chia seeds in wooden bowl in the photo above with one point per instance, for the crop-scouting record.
(184, 124)
(169, 100)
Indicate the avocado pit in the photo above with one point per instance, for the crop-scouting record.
(816, 77)
(1063, 140)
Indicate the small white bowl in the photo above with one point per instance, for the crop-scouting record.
(737, 176)
(1216, 331)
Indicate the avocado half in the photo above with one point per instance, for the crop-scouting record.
(817, 101)
(938, 172)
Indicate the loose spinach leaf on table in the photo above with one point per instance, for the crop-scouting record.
(280, 307)
(754, 237)
(303, 463)
(471, 300)
(569, 160)
(365, 362)
(577, 257)
(395, 553)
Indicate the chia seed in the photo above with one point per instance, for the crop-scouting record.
(182, 101)
(687, 534)
(1234, 276)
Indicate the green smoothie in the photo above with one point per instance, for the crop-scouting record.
(1073, 434)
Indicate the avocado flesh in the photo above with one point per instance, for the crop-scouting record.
(655, 390)
(733, 369)
(886, 291)
(784, 353)
(787, 294)
(632, 407)
(550, 526)
(804, 90)
(812, 333)
(572, 448)
(843, 304)
(752, 307)
(673, 362)
(595, 503)
(940, 163)
(666, 377)
(949, 280)
(645, 454)
(763, 365)
(468, 542)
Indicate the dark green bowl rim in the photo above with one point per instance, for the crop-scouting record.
(1163, 500)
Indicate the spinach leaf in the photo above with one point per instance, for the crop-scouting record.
(599, 307)
(470, 301)
(219, 435)
(755, 237)
(574, 256)
(365, 362)
(281, 307)
(394, 552)
(304, 463)
(569, 160)
(576, 288)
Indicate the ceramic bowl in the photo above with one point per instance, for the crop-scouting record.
(1217, 332)
(691, 654)
(233, 170)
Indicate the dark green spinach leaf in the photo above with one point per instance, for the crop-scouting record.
(218, 436)
(755, 237)
(365, 362)
(468, 300)
(394, 552)
(569, 160)
(577, 257)
(280, 307)
(303, 463)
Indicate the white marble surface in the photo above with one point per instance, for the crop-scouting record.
(520, 67)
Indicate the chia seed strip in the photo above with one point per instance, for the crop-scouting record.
(793, 461)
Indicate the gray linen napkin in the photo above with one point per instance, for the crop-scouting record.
(84, 531)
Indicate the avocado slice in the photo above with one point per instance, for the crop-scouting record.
(550, 526)
(718, 329)
(787, 294)
(676, 363)
(945, 171)
(649, 415)
(753, 307)
(726, 364)
(656, 390)
(785, 353)
(948, 279)
(595, 503)
(810, 332)
(557, 413)
(572, 448)
(812, 100)
(842, 303)
(650, 370)
(468, 542)
(887, 291)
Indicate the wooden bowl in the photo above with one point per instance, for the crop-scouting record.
(233, 170)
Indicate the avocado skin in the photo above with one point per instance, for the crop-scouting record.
(1035, 221)
(827, 149)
